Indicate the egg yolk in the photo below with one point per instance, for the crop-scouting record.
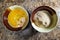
(17, 16)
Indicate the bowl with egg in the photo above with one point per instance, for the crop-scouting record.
(44, 19)
(15, 18)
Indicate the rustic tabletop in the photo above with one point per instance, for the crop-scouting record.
(29, 33)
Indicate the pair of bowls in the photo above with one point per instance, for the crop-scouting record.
(49, 9)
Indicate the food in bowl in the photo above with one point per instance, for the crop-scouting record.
(15, 18)
(42, 19)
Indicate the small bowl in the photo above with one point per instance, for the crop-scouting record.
(51, 12)
(5, 20)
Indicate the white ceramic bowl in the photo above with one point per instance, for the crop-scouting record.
(40, 29)
(5, 16)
